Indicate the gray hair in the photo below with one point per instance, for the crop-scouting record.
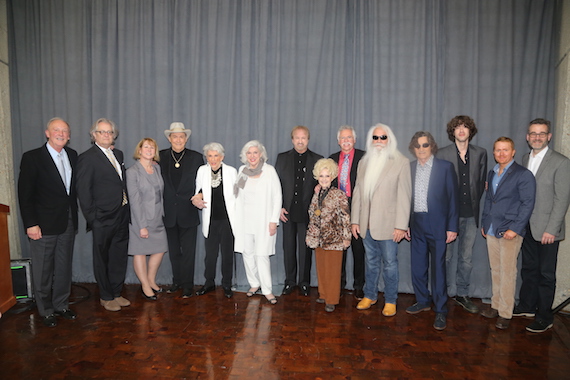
(346, 128)
(56, 119)
(392, 144)
(216, 147)
(249, 144)
(103, 120)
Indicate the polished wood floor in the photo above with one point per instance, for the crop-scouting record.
(211, 337)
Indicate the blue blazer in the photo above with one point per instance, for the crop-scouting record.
(510, 207)
(443, 200)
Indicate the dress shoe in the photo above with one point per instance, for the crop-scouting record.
(305, 290)
(157, 291)
(502, 323)
(418, 308)
(522, 313)
(122, 301)
(466, 303)
(320, 300)
(49, 320)
(150, 298)
(187, 293)
(111, 305)
(329, 308)
(490, 313)
(365, 303)
(288, 289)
(205, 289)
(359, 294)
(389, 310)
(66, 313)
(538, 326)
(440, 322)
(173, 288)
(228, 292)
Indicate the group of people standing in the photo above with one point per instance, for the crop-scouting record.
(369, 201)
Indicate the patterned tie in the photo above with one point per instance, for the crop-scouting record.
(115, 164)
(344, 173)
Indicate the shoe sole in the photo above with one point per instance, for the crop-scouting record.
(539, 331)
(388, 315)
(439, 328)
(526, 315)
(418, 311)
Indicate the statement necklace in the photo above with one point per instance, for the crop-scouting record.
(177, 162)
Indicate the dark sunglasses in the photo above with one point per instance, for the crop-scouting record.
(424, 145)
(383, 137)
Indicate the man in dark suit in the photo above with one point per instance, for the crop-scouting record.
(470, 163)
(48, 204)
(433, 225)
(347, 160)
(102, 193)
(179, 167)
(295, 170)
(546, 227)
(508, 205)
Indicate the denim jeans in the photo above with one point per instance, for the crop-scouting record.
(385, 253)
(464, 246)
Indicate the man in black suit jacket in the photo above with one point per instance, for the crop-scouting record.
(102, 192)
(295, 170)
(346, 139)
(48, 204)
(179, 167)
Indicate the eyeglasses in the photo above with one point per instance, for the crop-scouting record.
(108, 133)
(383, 137)
(424, 145)
(541, 134)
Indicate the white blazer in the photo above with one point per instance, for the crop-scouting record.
(204, 183)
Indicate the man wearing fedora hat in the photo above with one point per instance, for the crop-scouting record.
(179, 166)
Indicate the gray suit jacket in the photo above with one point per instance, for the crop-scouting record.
(477, 171)
(552, 195)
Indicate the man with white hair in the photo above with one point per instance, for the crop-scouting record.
(381, 212)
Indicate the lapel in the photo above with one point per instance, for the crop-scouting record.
(52, 168)
(543, 163)
(102, 157)
(505, 178)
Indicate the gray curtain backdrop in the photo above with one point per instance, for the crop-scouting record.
(239, 70)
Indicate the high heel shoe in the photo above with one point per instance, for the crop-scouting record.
(271, 300)
(252, 291)
(156, 291)
(150, 298)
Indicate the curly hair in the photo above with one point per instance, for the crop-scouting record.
(461, 120)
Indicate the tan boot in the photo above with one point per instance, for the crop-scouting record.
(389, 310)
(110, 305)
(365, 303)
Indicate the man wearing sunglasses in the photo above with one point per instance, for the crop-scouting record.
(433, 225)
(380, 213)
(470, 163)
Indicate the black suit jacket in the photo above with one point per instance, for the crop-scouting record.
(285, 167)
(358, 154)
(178, 209)
(42, 195)
(99, 187)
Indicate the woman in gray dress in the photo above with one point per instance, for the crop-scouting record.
(147, 236)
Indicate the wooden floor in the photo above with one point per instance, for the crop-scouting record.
(211, 337)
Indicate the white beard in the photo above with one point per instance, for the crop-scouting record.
(375, 161)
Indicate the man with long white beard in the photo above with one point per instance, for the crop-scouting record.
(381, 212)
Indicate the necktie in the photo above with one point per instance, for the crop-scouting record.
(61, 169)
(115, 164)
(344, 173)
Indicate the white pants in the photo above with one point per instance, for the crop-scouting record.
(257, 268)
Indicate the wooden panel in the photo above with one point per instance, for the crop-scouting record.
(7, 299)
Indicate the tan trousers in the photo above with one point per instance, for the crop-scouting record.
(329, 267)
(503, 256)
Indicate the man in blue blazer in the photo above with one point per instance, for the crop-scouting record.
(48, 205)
(508, 206)
(433, 224)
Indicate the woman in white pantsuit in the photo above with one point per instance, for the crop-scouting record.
(258, 206)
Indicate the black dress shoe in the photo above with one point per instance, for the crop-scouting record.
(187, 292)
(50, 320)
(173, 288)
(305, 290)
(205, 289)
(150, 298)
(228, 292)
(159, 290)
(359, 294)
(66, 313)
(288, 289)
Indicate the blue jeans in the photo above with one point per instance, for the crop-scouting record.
(464, 245)
(385, 253)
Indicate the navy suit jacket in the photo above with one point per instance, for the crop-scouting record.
(510, 207)
(42, 195)
(443, 201)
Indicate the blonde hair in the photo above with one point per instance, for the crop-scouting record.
(137, 154)
(328, 164)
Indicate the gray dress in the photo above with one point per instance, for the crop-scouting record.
(145, 199)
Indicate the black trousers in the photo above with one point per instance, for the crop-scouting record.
(220, 238)
(110, 244)
(538, 272)
(293, 243)
(357, 246)
(182, 251)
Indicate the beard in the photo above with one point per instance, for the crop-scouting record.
(375, 160)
